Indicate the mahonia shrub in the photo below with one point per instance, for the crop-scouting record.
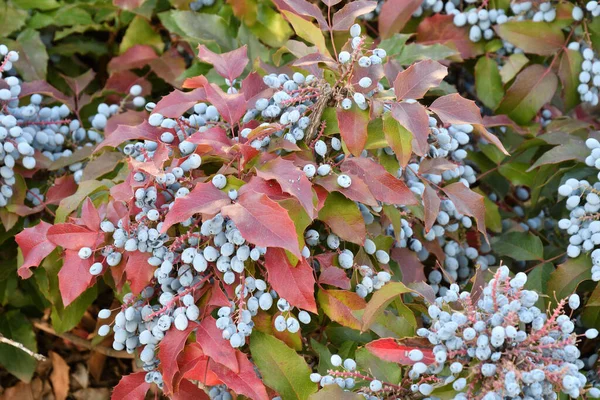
(331, 225)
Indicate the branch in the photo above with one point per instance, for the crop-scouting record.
(20, 346)
(42, 326)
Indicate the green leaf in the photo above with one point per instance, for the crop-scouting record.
(533, 88)
(533, 37)
(399, 138)
(383, 370)
(572, 150)
(282, 369)
(14, 325)
(521, 246)
(488, 83)
(513, 64)
(65, 319)
(394, 44)
(416, 52)
(33, 59)
(37, 4)
(590, 315)
(380, 300)
(330, 392)
(567, 276)
(67, 15)
(140, 31)
(270, 27)
(568, 72)
(204, 28)
(307, 31)
(537, 279)
(70, 204)
(11, 18)
(493, 220)
(516, 173)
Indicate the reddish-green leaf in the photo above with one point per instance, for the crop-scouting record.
(282, 368)
(124, 133)
(131, 387)
(398, 138)
(263, 222)
(534, 87)
(416, 80)
(296, 284)
(431, 204)
(176, 103)
(357, 191)
(345, 18)
(440, 29)
(467, 202)
(568, 72)
(229, 65)
(455, 109)
(339, 305)
(394, 15)
(414, 117)
(533, 37)
(384, 186)
(567, 276)
(292, 180)
(35, 247)
(344, 218)
(137, 56)
(380, 300)
(205, 198)
(353, 128)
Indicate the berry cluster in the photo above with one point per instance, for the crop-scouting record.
(583, 225)
(589, 77)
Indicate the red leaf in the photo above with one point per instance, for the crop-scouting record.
(357, 191)
(136, 56)
(129, 117)
(232, 107)
(35, 247)
(193, 364)
(169, 349)
(412, 269)
(44, 88)
(205, 198)
(467, 202)
(455, 109)
(302, 8)
(384, 186)
(295, 284)
(441, 29)
(74, 277)
(176, 103)
(189, 391)
(397, 350)
(258, 185)
(131, 387)
(344, 18)
(395, 14)
(245, 382)
(196, 82)
(502, 120)
(139, 272)
(169, 66)
(73, 237)
(214, 346)
(90, 215)
(121, 81)
(154, 166)
(416, 80)
(431, 204)
(263, 222)
(229, 65)
(62, 187)
(490, 137)
(334, 276)
(353, 128)
(124, 133)
(253, 86)
(414, 117)
(80, 82)
(292, 181)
